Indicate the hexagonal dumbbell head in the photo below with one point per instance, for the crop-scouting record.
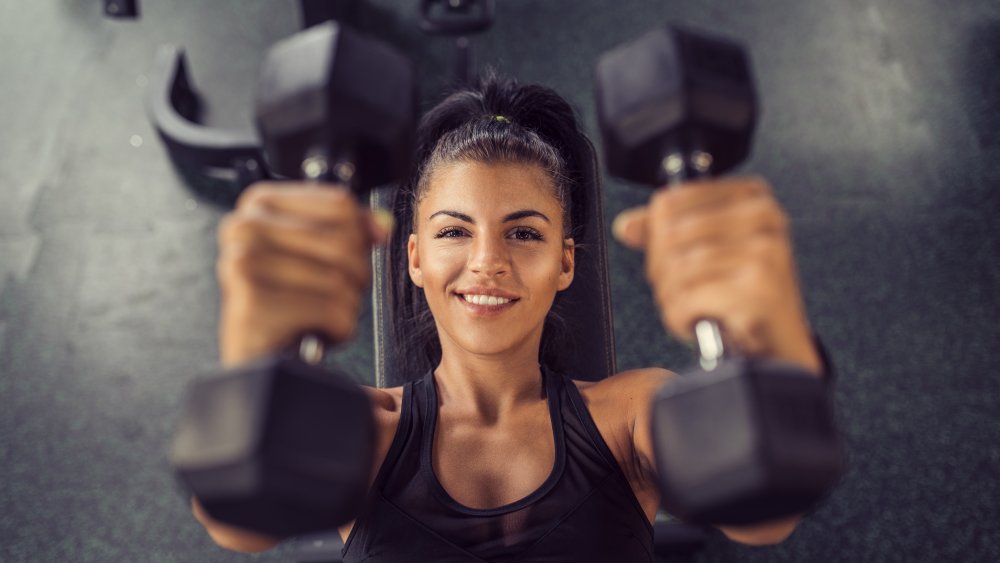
(277, 446)
(749, 441)
(331, 92)
(674, 91)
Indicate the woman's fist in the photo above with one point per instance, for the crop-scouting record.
(720, 249)
(293, 258)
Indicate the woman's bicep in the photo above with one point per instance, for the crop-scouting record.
(230, 537)
(640, 387)
(763, 533)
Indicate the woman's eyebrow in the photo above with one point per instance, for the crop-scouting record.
(525, 213)
(514, 216)
(455, 214)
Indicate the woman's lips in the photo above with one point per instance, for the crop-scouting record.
(485, 310)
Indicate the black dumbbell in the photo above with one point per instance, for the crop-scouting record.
(741, 439)
(283, 446)
(121, 8)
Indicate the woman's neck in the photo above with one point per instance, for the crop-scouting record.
(492, 386)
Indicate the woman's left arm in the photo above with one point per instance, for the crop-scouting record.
(721, 249)
(642, 385)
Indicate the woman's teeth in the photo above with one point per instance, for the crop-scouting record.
(485, 299)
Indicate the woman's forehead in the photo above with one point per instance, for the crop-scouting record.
(477, 185)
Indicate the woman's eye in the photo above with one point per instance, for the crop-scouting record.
(521, 233)
(450, 232)
(525, 233)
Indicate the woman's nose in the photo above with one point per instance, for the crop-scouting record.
(489, 257)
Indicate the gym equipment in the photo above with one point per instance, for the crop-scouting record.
(216, 163)
(220, 163)
(315, 12)
(334, 105)
(264, 447)
(741, 439)
(458, 18)
(121, 8)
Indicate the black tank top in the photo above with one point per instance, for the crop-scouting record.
(584, 511)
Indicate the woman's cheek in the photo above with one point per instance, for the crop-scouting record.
(440, 272)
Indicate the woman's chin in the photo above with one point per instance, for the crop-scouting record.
(482, 342)
(481, 348)
(491, 338)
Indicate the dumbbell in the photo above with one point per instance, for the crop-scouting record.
(121, 8)
(283, 446)
(739, 439)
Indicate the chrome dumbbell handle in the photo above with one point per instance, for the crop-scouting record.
(677, 167)
(318, 167)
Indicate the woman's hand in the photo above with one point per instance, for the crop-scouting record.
(720, 249)
(293, 258)
(230, 537)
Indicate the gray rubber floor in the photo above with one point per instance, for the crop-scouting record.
(880, 133)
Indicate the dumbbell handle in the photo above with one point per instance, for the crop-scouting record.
(317, 167)
(676, 168)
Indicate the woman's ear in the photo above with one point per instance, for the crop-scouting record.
(413, 257)
(568, 264)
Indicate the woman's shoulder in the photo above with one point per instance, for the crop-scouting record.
(386, 401)
(617, 404)
(624, 388)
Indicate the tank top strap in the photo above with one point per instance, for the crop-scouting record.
(389, 463)
(579, 408)
(582, 414)
(584, 511)
(406, 414)
(554, 383)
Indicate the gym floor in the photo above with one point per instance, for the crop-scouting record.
(880, 134)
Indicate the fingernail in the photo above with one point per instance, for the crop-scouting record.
(618, 226)
(385, 219)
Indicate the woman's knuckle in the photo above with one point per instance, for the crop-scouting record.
(649, 272)
(255, 195)
(661, 204)
(758, 274)
(243, 228)
(663, 294)
(781, 220)
(759, 186)
(695, 257)
(225, 264)
(227, 228)
(222, 271)
(241, 268)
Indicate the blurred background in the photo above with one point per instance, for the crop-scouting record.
(880, 133)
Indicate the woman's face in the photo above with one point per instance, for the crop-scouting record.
(490, 230)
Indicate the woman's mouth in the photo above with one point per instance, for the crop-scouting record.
(485, 305)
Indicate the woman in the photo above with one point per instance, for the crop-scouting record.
(491, 453)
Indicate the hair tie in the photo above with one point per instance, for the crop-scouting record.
(502, 118)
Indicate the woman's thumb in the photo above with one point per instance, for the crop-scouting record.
(629, 227)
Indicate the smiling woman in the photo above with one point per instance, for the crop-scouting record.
(503, 124)
(500, 243)
(495, 453)
(492, 450)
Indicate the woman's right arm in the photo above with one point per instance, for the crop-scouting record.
(293, 258)
(228, 537)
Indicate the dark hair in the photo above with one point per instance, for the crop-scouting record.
(497, 121)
